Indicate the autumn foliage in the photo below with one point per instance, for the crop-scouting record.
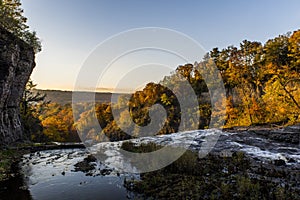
(261, 83)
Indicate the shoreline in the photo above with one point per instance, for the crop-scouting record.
(10, 156)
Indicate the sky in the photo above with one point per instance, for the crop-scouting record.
(70, 30)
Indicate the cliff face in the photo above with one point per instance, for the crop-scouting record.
(16, 65)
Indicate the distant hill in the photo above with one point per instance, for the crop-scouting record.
(65, 97)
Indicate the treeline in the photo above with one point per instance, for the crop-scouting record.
(261, 87)
(261, 83)
(13, 20)
(138, 106)
(44, 121)
(262, 80)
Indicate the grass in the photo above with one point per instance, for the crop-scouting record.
(7, 159)
(212, 177)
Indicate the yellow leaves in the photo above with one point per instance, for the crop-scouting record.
(165, 99)
(282, 110)
(270, 69)
(278, 98)
(294, 48)
(57, 122)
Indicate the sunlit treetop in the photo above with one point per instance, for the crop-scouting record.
(12, 19)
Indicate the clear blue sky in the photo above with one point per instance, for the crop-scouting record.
(71, 29)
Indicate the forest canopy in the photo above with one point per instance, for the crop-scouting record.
(261, 82)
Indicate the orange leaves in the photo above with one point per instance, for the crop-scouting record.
(294, 49)
(57, 122)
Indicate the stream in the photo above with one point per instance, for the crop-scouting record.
(52, 174)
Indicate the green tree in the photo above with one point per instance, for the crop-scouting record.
(277, 50)
(30, 108)
(12, 19)
(12, 16)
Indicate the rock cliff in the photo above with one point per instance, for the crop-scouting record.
(16, 65)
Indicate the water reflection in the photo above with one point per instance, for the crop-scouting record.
(14, 189)
(52, 175)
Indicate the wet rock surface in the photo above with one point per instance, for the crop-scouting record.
(290, 134)
(269, 146)
(266, 162)
(271, 163)
(84, 166)
(260, 145)
(243, 164)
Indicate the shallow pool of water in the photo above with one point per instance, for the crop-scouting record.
(51, 175)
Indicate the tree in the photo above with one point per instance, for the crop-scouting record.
(12, 16)
(294, 50)
(277, 50)
(282, 96)
(261, 81)
(58, 123)
(12, 19)
(30, 109)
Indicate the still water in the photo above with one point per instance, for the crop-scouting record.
(51, 175)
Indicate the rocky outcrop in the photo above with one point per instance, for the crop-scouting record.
(16, 65)
(290, 134)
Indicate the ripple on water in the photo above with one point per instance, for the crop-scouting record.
(58, 180)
